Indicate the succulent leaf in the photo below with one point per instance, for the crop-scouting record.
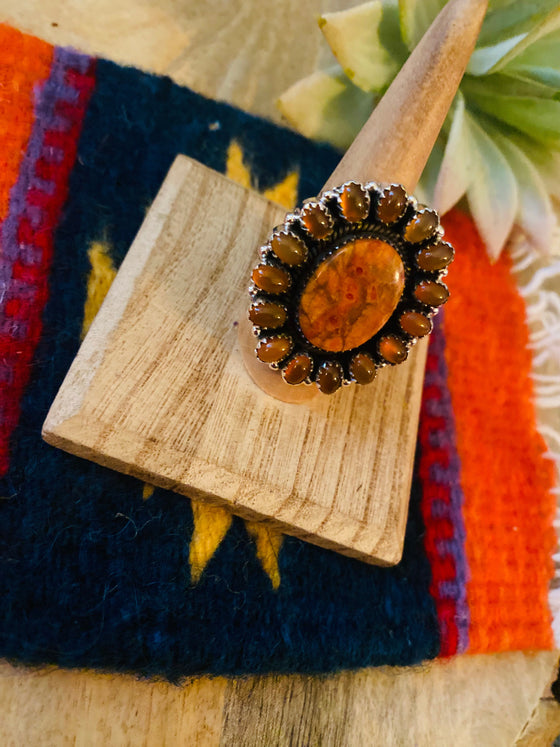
(508, 18)
(492, 193)
(354, 38)
(539, 63)
(318, 107)
(535, 212)
(536, 116)
(426, 187)
(501, 142)
(456, 171)
(486, 58)
(548, 25)
(546, 161)
(416, 17)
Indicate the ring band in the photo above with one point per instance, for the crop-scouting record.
(347, 284)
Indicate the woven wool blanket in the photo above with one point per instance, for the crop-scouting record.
(100, 570)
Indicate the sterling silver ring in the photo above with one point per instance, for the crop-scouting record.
(347, 284)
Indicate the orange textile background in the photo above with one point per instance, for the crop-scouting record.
(26, 63)
(506, 481)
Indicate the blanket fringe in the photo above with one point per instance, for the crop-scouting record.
(538, 279)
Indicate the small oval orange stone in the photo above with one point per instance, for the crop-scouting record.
(415, 324)
(354, 203)
(317, 221)
(288, 248)
(271, 279)
(393, 349)
(362, 368)
(431, 293)
(329, 378)
(435, 257)
(298, 369)
(392, 204)
(274, 349)
(421, 227)
(268, 315)
(351, 295)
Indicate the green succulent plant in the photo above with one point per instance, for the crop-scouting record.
(500, 144)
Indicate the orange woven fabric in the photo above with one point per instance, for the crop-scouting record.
(506, 480)
(26, 63)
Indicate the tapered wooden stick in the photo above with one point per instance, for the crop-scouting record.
(396, 141)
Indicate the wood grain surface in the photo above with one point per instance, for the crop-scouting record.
(159, 389)
(246, 52)
(483, 700)
(461, 702)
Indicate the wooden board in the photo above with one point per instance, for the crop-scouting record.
(159, 389)
(461, 702)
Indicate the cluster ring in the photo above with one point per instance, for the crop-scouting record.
(347, 284)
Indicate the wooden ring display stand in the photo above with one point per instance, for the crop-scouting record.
(159, 389)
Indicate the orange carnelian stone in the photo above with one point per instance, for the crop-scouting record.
(274, 349)
(329, 378)
(415, 324)
(421, 227)
(298, 369)
(435, 257)
(267, 315)
(362, 368)
(354, 202)
(317, 220)
(271, 279)
(288, 248)
(431, 293)
(351, 295)
(392, 204)
(392, 349)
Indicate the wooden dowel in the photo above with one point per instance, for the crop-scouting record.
(396, 141)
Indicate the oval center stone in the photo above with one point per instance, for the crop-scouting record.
(351, 295)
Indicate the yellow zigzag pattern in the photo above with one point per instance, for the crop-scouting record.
(100, 278)
(268, 542)
(211, 523)
(210, 527)
(285, 193)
